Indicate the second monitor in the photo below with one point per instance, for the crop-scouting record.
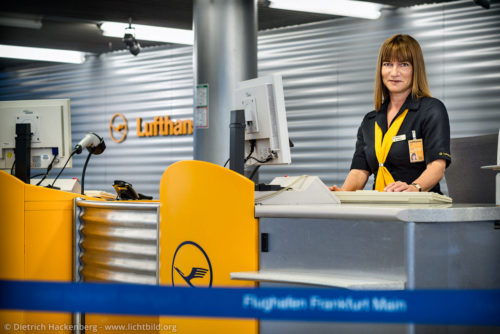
(266, 131)
(50, 125)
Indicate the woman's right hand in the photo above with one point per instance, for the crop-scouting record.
(355, 180)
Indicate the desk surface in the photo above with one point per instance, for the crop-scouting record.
(421, 213)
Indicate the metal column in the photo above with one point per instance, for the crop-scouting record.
(225, 52)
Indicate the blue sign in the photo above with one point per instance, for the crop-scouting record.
(459, 307)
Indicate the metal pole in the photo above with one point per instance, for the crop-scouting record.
(78, 318)
(225, 53)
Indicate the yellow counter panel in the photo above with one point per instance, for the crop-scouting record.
(207, 224)
(35, 241)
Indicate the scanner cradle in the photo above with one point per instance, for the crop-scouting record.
(297, 190)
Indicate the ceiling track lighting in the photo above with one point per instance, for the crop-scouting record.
(129, 39)
(359, 9)
(21, 21)
(149, 33)
(42, 54)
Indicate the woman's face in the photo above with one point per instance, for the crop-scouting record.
(397, 76)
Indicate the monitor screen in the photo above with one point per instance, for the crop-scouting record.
(50, 127)
(266, 131)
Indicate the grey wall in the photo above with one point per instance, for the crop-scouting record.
(328, 70)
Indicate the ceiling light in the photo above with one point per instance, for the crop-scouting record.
(21, 22)
(149, 33)
(59, 56)
(361, 9)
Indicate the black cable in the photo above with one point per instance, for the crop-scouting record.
(262, 161)
(72, 153)
(252, 147)
(253, 143)
(49, 168)
(83, 171)
(12, 168)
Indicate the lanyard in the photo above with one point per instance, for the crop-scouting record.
(382, 148)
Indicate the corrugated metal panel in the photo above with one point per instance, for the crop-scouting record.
(118, 241)
(328, 72)
(158, 82)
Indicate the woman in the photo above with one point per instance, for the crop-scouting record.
(405, 141)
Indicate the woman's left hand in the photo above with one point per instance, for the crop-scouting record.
(400, 186)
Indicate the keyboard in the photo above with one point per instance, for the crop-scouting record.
(374, 196)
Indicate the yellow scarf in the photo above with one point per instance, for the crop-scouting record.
(382, 148)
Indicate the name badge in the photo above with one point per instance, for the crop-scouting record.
(398, 138)
(416, 148)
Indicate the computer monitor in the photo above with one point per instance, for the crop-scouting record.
(50, 125)
(266, 131)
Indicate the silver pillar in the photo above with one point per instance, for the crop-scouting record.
(225, 52)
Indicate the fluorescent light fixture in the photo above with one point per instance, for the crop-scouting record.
(361, 9)
(149, 33)
(30, 23)
(59, 56)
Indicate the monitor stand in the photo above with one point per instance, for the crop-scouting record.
(23, 152)
(237, 141)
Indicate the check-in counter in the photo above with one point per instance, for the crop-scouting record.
(206, 218)
(35, 244)
(204, 221)
(390, 247)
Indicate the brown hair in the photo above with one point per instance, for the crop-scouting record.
(401, 48)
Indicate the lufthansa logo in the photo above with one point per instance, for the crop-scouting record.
(191, 266)
(118, 128)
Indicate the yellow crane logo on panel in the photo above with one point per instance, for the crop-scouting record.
(191, 266)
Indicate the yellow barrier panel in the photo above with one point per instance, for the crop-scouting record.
(11, 238)
(207, 231)
(11, 227)
(35, 244)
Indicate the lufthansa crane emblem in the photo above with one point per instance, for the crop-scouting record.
(191, 266)
(118, 128)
